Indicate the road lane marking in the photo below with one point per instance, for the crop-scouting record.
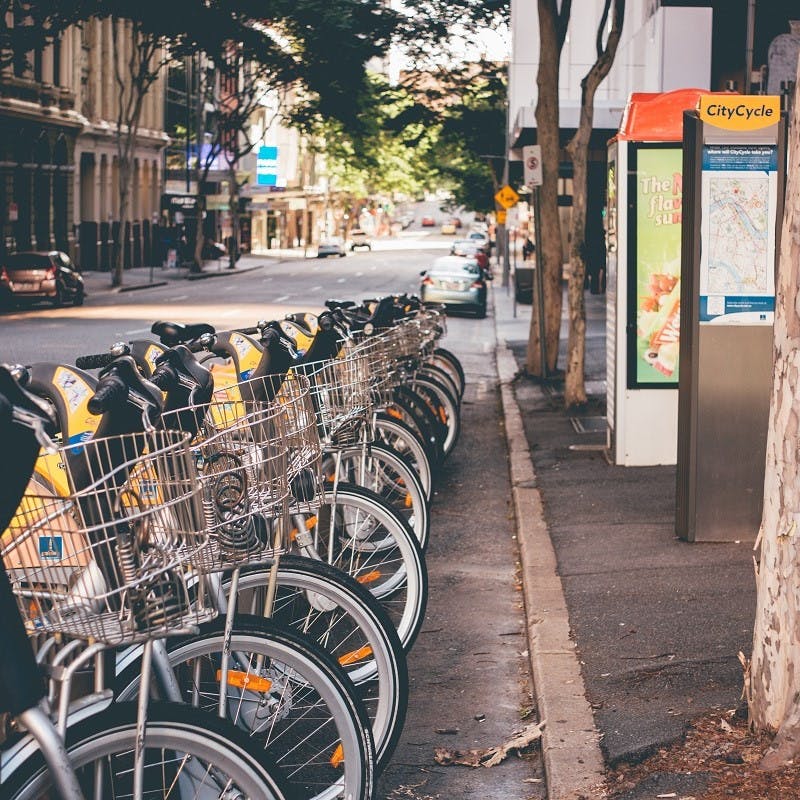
(267, 280)
(137, 330)
(314, 288)
(359, 274)
(179, 297)
(341, 280)
(282, 298)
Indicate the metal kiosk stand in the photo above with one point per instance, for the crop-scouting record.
(734, 172)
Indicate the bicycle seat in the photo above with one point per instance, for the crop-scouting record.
(334, 304)
(172, 333)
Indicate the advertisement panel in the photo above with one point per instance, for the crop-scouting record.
(654, 265)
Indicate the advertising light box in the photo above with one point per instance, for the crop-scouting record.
(654, 265)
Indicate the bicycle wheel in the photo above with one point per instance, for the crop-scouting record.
(444, 377)
(400, 438)
(449, 361)
(341, 616)
(356, 532)
(421, 416)
(445, 405)
(284, 692)
(186, 754)
(391, 477)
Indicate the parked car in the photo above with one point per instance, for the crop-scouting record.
(359, 238)
(40, 275)
(448, 229)
(428, 222)
(331, 247)
(457, 222)
(466, 248)
(457, 282)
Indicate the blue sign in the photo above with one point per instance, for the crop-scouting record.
(51, 548)
(267, 166)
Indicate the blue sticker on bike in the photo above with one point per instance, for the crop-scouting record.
(51, 548)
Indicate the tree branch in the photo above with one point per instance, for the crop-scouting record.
(562, 22)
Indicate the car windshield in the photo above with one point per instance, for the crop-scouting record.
(27, 261)
(476, 235)
(457, 265)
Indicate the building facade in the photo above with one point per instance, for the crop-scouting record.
(59, 174)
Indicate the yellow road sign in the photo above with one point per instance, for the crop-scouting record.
(507, 197)
(501, 217)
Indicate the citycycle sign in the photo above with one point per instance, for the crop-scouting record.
(740, 112)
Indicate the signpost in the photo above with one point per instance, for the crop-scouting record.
(532, 163)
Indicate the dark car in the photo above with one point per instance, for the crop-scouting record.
(40, 276)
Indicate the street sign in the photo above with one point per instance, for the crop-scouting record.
(507, 197)
(532, 163)
(13, 212)
(501, 217)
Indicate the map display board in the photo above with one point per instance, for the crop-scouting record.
(737, 262)
(654, 258)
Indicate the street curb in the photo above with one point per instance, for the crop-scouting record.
(573, 762)
(200, 276)
(139, 286)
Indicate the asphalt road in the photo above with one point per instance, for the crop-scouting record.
(470, 686)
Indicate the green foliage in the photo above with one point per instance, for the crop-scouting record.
(377, 157)
(470, 131)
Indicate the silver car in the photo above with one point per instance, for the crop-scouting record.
(331, 247)
(457, 282)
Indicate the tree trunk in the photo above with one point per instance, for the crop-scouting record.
(550, 259)
(773, 688)
(233, 204)
(578, 149)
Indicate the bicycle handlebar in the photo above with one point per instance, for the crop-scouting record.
(95, 361)
(110, 391)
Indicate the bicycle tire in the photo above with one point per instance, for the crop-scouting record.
(299, 685)
(172, 728)
(377, 548)
(421, 416)
(449, 361)
(391, 476)
(443, 376)
(399, 437)
(356, 631)
(446, 405)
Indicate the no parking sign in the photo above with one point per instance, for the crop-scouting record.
(532, 162)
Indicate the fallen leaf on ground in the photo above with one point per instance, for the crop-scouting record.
(491, 756)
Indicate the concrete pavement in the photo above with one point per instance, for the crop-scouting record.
(632, 632)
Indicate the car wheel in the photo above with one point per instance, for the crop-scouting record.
(481, 312)
(80, 296)
(342, 255)
(58, 299)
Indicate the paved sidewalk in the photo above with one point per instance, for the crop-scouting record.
(655, 624)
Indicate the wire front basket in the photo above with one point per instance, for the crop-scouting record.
(241, 454)
(112, 557)
(340, 391)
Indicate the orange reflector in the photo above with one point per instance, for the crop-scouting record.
(401, 481)
(241, 680)
(355, 655)
(337, 759)
(311, 522)
(409, 501)
(369, 577)
(293, 534)
(442, 415)
(393, 412)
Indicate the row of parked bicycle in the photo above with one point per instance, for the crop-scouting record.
(213, 555)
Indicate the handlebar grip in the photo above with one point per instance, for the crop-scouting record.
(254, 331)
(110, 390)
(164, 377)
(6, 411)
(96, 361)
